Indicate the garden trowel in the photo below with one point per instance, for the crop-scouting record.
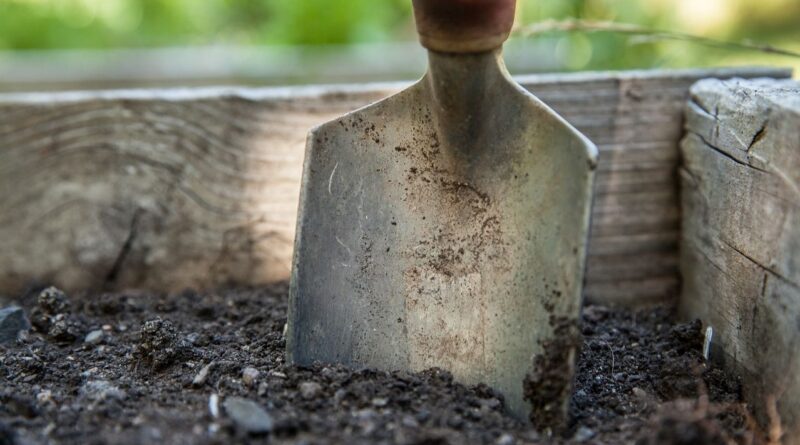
(446, 226)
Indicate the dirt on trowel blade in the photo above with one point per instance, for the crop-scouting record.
(428, 220)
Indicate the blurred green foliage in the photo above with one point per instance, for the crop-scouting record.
(45, 24)
(28, 24)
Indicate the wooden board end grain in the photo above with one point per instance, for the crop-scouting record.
(740, 244)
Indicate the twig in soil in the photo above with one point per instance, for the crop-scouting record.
(589, 26)
(127, 245)
(707, 342)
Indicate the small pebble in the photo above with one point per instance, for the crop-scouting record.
(193, 338)
(365, 414)
(99, 390)
(12, 322)
(455, 421)
(310, 390)
(410, 422)
(492, 403)
(248, 415)
(200, 378)
(150, 434)
(379, 401)
(94, 337)
(640, 393)
(583, 434)
(213, 405)
(339, 395)
(45, 396)
(506, 439)
(89, 372)
(48, 429)
(249, 376)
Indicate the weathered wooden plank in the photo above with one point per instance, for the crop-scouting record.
(636, 122)
(634, 292)
(176, 188)
(633, 246)
(635, 156)
(740, 245)
(660, 179)
(626, 228)
(615, 267)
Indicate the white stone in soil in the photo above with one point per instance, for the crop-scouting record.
(94, 337)
(249, 376)
(310, 390)
(213, 405)
(200, 378)
(99, 390)
(248, 415)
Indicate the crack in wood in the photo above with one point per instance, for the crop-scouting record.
(762, 266)
(724, 153)
(689, 175)
(693, 100)
(124, 251)
(758, 136)
(782, 175)
(699, 249)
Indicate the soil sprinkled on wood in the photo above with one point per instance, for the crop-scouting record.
(133, 367)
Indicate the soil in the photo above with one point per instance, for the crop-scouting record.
(132, 367)
(550, 378)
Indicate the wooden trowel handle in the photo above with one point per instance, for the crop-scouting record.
(463, 26)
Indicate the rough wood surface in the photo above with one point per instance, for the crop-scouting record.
(740, 246)
(198, 188)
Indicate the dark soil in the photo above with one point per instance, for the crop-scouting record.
(550, 379)
(153, 365)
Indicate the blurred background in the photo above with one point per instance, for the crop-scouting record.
(67, 44)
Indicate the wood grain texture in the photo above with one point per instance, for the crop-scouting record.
(740, 244)
(167, 189)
